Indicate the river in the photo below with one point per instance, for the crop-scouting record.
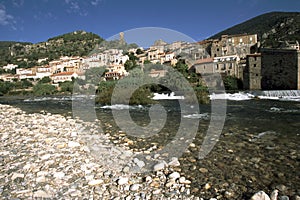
(259, 148)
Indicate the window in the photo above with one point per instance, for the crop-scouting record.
(254, 65)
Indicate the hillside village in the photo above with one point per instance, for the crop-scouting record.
(238, 56)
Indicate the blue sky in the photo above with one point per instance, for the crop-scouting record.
(37, 20)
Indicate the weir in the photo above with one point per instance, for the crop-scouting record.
(281, 93)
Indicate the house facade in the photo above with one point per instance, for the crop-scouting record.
(280, 69)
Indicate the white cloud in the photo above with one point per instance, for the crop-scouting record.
(18, 3)
(95, 2)
(5, 18)
(74, 7)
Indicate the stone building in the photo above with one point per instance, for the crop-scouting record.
(252, 72)
(280, 69)
(233, 44)
(203, 66)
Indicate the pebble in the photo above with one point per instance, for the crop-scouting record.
(17, 175)
(73, 144)
(159, 166)
(122, 181)
(174, 175)
(261, 195)
(95, 182)
(41, 194)
(203, 170)
(134, 187)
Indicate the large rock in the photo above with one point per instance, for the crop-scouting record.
(261, 195)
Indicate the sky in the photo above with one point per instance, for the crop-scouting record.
(38, 20)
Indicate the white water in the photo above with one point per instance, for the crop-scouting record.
(170, 96)
(197, 116)
(60, 98)
(121, 107)
(241, 96)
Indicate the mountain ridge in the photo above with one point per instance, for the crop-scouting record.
(273, 28)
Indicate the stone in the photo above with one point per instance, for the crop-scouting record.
(192, 145)
(281, 188)
(41, 194)
(274, 195)
(174, 162)
(159, 166)
(203, 170)
(46, 157)
(156, 192)
(59, 175)
(140, 163)
(148, 179)
(126, 169)
(17, 175)
(134, 187)
(122, 181)
(207, 186)
(40, 179)
(95, 182)
(155, 184)
(174, 175)
(72, 144)
(261, 195)
(284, 198)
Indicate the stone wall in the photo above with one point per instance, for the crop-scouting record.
(252, 72)
(280, 69)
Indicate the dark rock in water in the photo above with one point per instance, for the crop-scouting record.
(284, 198)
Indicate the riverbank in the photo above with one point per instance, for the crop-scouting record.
(48, 156)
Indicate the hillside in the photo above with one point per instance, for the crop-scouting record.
(77, 43)
(273, 29)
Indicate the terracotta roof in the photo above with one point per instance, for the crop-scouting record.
(205, 60)
(63, 74)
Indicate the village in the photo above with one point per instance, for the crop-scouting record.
(239, 56)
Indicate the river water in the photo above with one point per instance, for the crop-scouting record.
(259, 148)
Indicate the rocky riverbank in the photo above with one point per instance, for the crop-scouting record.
(48, 156)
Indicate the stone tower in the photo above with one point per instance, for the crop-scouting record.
(122, 40)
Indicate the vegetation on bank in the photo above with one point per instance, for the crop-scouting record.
(178, 80)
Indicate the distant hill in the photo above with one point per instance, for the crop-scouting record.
(273, 29)
(77, 43)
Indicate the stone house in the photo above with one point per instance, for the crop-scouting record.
(204, 66)
(280, 69)
(252, 72)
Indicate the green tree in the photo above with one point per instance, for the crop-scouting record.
(232, 83)
(43, 89)
(45, 79)
(66, 86)
(5, 87)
